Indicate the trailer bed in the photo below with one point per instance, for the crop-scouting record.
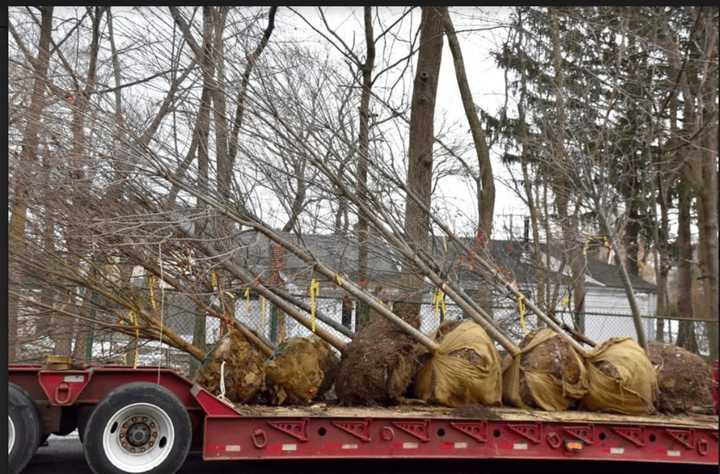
(412, 410)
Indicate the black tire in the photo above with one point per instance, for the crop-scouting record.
(25, 419)
(125, 396)
(83, 416)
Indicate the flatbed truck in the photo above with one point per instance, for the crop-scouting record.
(147, 419)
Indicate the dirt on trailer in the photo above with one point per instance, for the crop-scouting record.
(378, 365)
(300, 370)
(684, 380)
(549, 373)
(243, 371)
(475, 411)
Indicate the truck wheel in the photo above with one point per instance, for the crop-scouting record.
(23, 428)
(138, 428)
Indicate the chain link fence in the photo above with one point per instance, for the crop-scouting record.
(105, 345)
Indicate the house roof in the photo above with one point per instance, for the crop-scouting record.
(340, 252)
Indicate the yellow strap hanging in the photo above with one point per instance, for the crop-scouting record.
(151, 286)
(521, 312)
(132, 316)
(338, 280)
(214, 280)
(247, 300)
(565, 302)
(591, 238)
(439, 302)
(313, 292)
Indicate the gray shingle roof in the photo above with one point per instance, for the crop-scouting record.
(341, 253)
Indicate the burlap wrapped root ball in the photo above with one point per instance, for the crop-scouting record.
(378, 365)
(549, 374)
(300, 370)
(464, 370)
(621, 379)
(684, 380)
(243, 372)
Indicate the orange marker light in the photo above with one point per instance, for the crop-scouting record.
(573, 445)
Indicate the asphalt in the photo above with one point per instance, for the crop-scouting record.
(64, 455)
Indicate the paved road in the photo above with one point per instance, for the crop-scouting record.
(64, 455)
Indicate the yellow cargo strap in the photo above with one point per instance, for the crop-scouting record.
(214, 280)
(151, 287)
(338, 280)
(605, 242)
(438, 301)
(521, 312)
(565, 302)
(313, 292)
(132, 316)
(247, 300)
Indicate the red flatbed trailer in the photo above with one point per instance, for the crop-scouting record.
(66, 399)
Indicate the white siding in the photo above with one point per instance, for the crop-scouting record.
(602, 303)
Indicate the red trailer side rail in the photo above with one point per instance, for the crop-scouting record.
(254, 432)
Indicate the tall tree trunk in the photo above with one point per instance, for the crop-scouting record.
(486, 193)
(632, 231)
(700, 168)
(562, 185)
(79, 192)
(222, 157)
(362, 311)
(708, 192)
(662, 264)
(686, 331)
(420, 156)
(199, 338)
(278, 330)
(28, 155)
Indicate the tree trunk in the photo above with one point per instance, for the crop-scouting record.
(632, 231)
(562, 187)
(487, 193)
(79, 194)
(662, 263)
(203, 125)
(624, 276)
(708, 192)
(486, 183)
(31, 138)
(420, 159)
(686, 331)
(362, 311)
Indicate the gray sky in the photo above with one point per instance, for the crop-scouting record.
(479, 31)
